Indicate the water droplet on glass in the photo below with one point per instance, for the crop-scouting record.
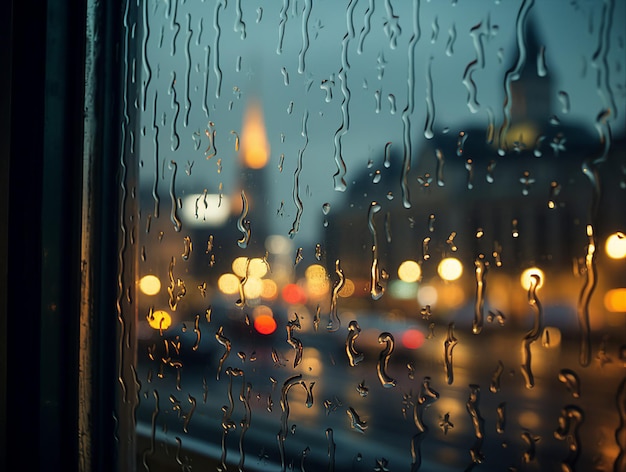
(533, 334)
(383, 360)
(495, 378)
(445, 424)
(570, 421)
(362, 389)
(469, 166)
(356, 423)
(298, 257)
(431, 222)
(448, 347)
(354, 356)
(542, 70)
(571, 381)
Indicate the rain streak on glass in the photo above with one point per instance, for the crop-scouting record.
(457, 143)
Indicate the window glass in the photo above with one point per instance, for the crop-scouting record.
(375, 235)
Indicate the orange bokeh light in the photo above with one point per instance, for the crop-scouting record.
(265, 324)
(254, 146)
(412, 339)
(293, 294)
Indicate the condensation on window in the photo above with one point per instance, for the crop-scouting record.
(372, 236)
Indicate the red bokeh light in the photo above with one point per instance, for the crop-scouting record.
(265, 324)
(412, 339)
(293, 294)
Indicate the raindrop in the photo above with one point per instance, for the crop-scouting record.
(450, 241)
(353, 333)
(542, 70)
(514, 229)
(293, 341)
(362, 389)
(533, 334)
(298, 257)
(383, 360)
(224, 341)
(318, 252)
(571, 381)
(445, 424)
(392, 103)
(376, 289)
(555, 189)
(285, 76)
(478, 422)
(448, 347)
(356, 423)
(495, 378)
(411, 368)
(387, 161)
(431, 222)
(187, 248)
(527, 181)
(243, 225)
(570, 421)
(425, 251)
(469, 166)
(501, 418)
(564, 100)
(490, 168)
(451, 40)
(460, 143)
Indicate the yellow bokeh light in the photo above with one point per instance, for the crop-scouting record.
(526, 277)
(269, 291)
(244, 267)
(159, 319)
(150, 284)
(348, 289)
(450, 269)
(317, 283)
(253, 287)
(615, 300)
(254, 146)
(409, 271)
(315, 271)
(228, 284)
(616, 246)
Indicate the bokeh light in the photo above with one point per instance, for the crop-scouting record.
(265, 324)
(269, 289)
(413, 338)
(526, 277)
(427, 295)
(254, 145)
(409, 271)
(293, 294)
(348, 289)
(616, 245)
(450, 269)
(150, 284)
(228, 284)
(253, 287)
(615, 300)
(159, 319)
(244, 267)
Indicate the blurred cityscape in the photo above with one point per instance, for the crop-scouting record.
(465, 310)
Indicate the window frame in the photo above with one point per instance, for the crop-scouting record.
(58, 238)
